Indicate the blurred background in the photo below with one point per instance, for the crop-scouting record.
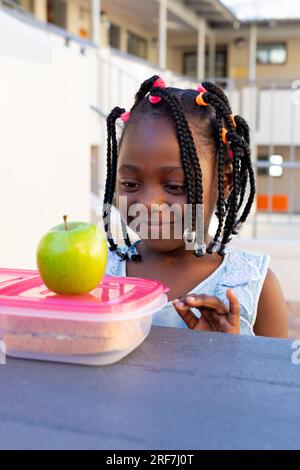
(65, 63)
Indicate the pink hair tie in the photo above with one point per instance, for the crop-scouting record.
(154, 99)
(159, 82)
(201, 89)
(230, 153)
(125, 116)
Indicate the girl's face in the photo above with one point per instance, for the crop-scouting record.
(150, 174)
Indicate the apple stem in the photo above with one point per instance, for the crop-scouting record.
(65, 222)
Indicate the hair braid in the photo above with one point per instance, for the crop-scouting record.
(144, 89)
(221, 208)
(112, 157)
(233, 208)
(252, 187)
(239, 139)
(214, 89)
(222, 113)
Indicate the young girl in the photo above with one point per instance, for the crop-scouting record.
(185, 148)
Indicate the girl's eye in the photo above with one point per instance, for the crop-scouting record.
(175, 188)
(129, 185)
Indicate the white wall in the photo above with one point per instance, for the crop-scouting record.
(44, 137)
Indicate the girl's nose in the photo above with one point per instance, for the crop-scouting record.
(152, 196)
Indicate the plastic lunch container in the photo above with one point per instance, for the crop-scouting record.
(97, 328)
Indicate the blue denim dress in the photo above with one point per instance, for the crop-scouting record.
(242, 270)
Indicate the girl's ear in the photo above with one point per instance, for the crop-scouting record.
(228, 178)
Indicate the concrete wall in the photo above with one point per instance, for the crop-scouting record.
(45, 140)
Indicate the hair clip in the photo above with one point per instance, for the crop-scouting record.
(233, 120)
(199, 250)
(159, 82)
(200, 101)
(125, 116)
(201, 89)
(154, 99)
(133, 254)
(212, 247)
(121, 254)
(223, 250)
(189, 236)
(224, 136)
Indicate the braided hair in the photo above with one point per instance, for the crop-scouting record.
(230, 137)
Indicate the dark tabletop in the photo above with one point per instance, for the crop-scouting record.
(180, 389)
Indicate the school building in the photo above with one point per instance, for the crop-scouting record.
(256, 62)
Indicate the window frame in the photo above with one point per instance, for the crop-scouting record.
(221, 49)
(118, 30)
(139, 38)
(270, 45)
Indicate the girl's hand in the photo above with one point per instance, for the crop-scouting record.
(215, 315)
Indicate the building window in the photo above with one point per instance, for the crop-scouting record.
(220, 65)
(57, 13)
(273, 165)
(190, 64)
(114, 36)
(137, 46)
(50, 12)
(273, 53)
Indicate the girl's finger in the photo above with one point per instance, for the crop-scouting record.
(186, 314)
(211, 318)
(222, 323)
(203, 300)
(234, 307)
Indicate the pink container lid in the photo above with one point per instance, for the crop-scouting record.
(25, 290)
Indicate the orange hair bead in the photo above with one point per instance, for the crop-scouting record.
(200, 101)
(224, 137)
(233, 120)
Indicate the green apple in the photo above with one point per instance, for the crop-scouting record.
(72, 257)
